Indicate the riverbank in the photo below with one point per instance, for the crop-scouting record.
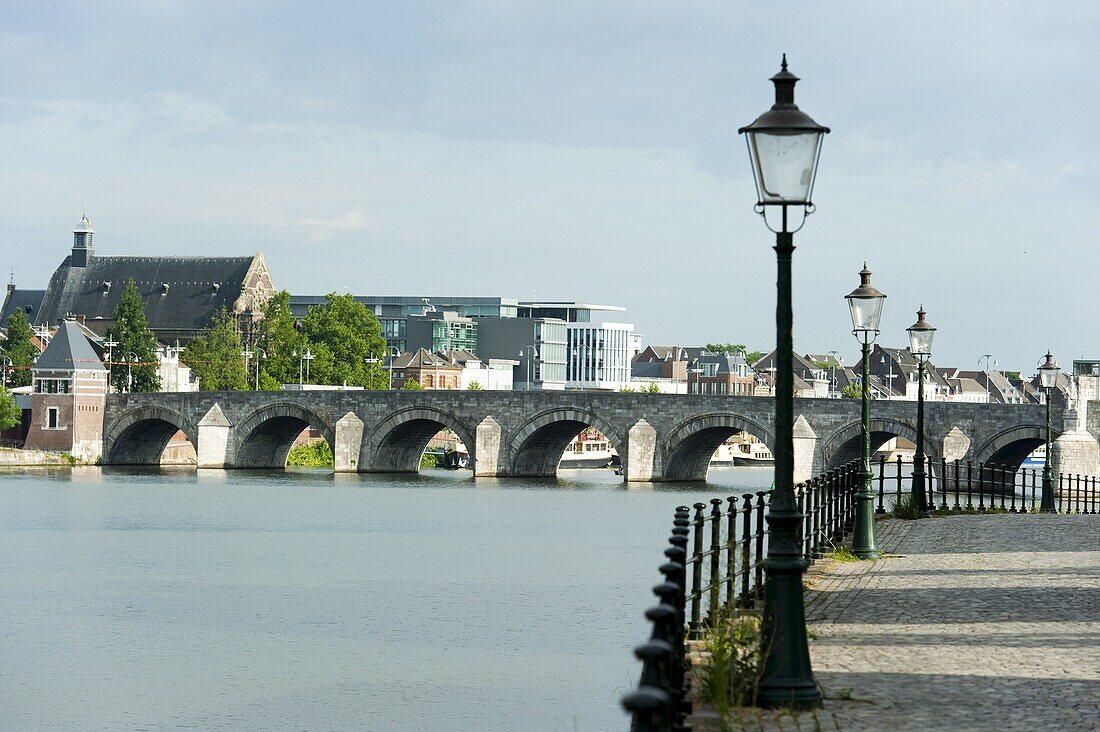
(18, 458)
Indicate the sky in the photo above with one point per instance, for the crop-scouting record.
(578, 151)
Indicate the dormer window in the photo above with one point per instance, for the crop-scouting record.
(106, 286)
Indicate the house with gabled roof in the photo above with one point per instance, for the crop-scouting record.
(69, 393)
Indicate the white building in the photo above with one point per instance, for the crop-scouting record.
(174, 376)
(598, 355)
(491, 374)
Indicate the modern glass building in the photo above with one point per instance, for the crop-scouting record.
(393, 311)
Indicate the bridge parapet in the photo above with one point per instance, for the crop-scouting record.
(658, 436)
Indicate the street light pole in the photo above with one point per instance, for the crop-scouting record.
(784, 146)
(832, 378)
(920, 345)
(1048, 379)
(131, 358)
(986, 356)
(865, 306)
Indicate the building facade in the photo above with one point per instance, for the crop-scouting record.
(536, 344)
(181, 294)
(441, 330)
(599, 355)
(69, 396)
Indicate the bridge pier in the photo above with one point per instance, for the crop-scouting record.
(349, 441)
(640, 455)
(488, 459)
(213, 439)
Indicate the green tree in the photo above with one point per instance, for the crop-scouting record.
(411, 385)
(853, 391)
(279, 340)
(136, 343)
(10, 413)
(475, 386)
(215, 355)
(20, 348)
(342, 335)
(734, 349)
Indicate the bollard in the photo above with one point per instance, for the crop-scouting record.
(649, 708)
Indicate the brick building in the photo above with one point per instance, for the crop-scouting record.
(431, 370)
(69, 395)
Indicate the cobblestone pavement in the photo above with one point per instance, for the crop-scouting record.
(969, 623)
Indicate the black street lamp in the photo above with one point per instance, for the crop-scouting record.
(920, 345)
(784, 146)
(1048, 379)
(865, 304)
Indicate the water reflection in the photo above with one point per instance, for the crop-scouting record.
(138, 598)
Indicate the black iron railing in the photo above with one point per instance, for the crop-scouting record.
(965, 485)
(718, 552)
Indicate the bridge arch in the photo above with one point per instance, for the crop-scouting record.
(688, 449)
(139, 436)
(1010, 447)
(264, 438)
(843, 446)
(537, 445)
(398, 442)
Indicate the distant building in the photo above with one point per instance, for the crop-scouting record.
(181, 294)
(431, 370)
(598, 355)
(491, 374)
(393, 312)
(538, 345)
(810, 380)
(897, 369)
(69, 395)
(723, 374)
(665, 362)
(441, 330)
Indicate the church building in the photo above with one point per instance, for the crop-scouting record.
(181, 294)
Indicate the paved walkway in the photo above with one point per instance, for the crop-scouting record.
(969, 623)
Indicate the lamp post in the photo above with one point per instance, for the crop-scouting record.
(1048, 379)
(303, 359)
(531, 355)
(131, 359)
(832, 377)
(987, 356)
(7, 363)
(110, 343)
(784, 146)
(260, 353)
(865, 305)
(394, 352)
(920, 345)
(370, 372)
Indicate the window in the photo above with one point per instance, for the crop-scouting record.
(51, 418)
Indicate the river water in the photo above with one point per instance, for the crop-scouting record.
(303, 600)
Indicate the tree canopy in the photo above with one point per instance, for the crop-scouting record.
(136, 344)
(215, 355)
(10, 413)
(734, 349)
(277, 342)
(20, 348)
(342, 335)
(853, 391)
(411, 384)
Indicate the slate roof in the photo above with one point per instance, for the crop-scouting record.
(197, 288)
(69, 350)
(421, 358)
(30, 301)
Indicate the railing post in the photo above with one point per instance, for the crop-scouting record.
(898, 498)
(1012, 503)
(815, 546)
(881, 484)
(760, 543)
(696, 560)
(956, 484)
(969, 485)
(731, 550)
(715, 559)
(943, 482)
(747, 598)
(981, 487)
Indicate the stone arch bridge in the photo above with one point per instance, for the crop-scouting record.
(659, 437)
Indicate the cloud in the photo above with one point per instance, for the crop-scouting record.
(326, 228)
